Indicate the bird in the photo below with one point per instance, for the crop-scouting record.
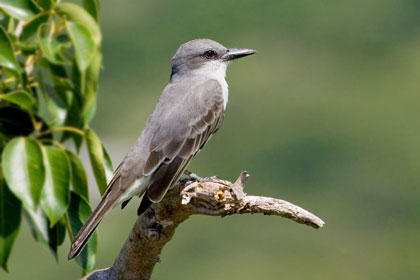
(189, 111)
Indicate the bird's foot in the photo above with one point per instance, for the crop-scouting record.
(192, 177)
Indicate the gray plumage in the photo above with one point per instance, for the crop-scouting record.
(189, 111)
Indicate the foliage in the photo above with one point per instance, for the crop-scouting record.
(49, 68)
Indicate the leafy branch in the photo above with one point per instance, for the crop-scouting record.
(50, 58)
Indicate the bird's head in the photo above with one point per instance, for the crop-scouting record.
(205, 55)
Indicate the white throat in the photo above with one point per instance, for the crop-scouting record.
(217, 70)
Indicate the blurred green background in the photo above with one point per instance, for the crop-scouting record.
(326, 115)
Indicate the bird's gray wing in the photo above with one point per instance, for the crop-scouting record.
(182, 135)
(180, 125)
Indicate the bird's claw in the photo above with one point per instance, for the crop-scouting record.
(192, 177)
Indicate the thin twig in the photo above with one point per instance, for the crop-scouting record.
(61, 128)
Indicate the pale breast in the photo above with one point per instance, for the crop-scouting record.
(217, 70)
(225, 91)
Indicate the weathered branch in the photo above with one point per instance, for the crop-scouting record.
(157, 225)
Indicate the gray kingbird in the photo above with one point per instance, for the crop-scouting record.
(189, 111)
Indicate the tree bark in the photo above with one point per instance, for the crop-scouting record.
(157, 225)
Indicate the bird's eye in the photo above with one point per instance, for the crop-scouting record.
(210, 54)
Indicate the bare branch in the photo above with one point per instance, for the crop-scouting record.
(157, 225)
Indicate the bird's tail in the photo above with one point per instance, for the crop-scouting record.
(89, 227)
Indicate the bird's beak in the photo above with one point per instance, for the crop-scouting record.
(234, 53)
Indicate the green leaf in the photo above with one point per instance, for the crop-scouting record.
(24, 171)
(78, 176)
(50, 46)
(92, 6)
(74, 119)
(55, 193)
(79, 212)
(109, 170)
(97, 160)
(60, 231)
(77, 79)
(21, 98)
(7, 56)
(59, 96)
(77, 14)
(20, 9)
(83, 44)
(42, 232)
(74, 104)
(11, 24)
(30, 28)
(39, 225)
(56, 103)
(91, 89)
(10, 213)
(56, 235)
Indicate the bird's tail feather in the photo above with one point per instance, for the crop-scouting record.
(89, 227)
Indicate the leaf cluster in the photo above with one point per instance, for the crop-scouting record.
(50, 58)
